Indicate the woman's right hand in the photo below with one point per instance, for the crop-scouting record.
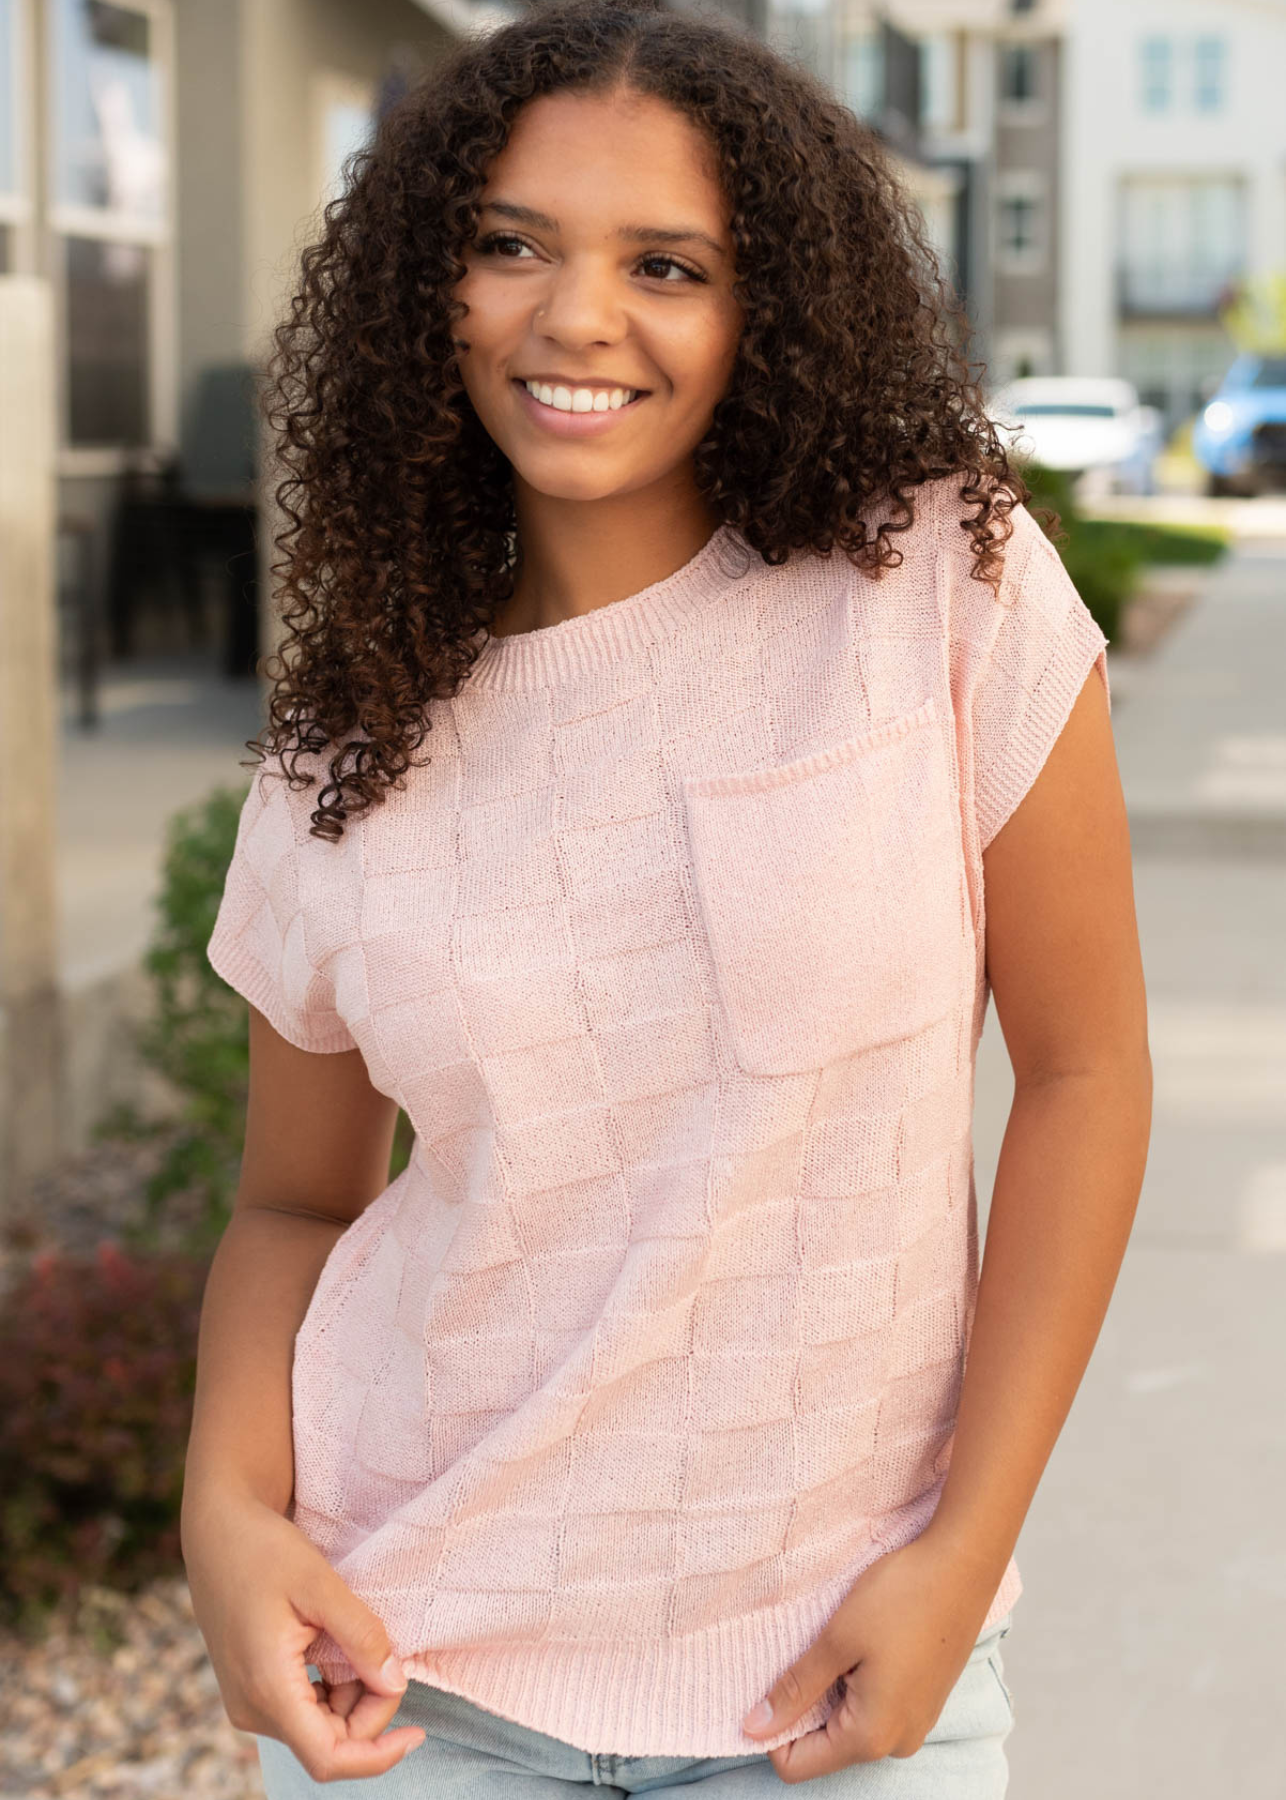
(261, 1590)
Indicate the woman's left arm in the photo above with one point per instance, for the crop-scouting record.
(1066, 975)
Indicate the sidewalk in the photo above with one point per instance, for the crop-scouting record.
(1201, 733)
(1148, 1644)
(172, 729)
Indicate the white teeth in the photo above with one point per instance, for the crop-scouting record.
(564, 399)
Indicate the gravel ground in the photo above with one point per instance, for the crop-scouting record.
(119, 1698)
(118, 1695)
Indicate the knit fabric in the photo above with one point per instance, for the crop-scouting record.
(673, 953)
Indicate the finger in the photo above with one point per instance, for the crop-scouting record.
(370, 1713)
(298, 1712)
(327, 1751)
(330, 1603)
(344, 1696)
(845, 1738)
(805, 1681)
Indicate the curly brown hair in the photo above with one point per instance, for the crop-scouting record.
(850, 388)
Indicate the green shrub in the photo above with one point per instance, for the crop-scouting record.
(1103, 562)
(97, 1372)
(1106, 557)
(1105, 571)
(1051, 487)
(198, 1033)
(1196, 544)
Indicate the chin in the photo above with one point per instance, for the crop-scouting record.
(564, 488)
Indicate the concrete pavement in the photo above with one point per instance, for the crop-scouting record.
(172, 729)
(1148, 1647)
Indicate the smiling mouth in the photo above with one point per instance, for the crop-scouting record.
(636, 394)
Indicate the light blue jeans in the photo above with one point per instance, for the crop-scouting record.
(471, 1754)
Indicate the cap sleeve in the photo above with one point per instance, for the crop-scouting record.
(1019, 660)
(260, 941)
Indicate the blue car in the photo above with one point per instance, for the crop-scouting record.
(1240, 438)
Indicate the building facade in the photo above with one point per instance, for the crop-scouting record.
(1174, 160)
(1119, 165)
(157, 160)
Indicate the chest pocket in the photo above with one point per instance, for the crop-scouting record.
(833, 895)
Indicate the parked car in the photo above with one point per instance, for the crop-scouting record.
(1081, 424)
(1240, 437)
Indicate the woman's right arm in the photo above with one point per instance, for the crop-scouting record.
(317, 1147)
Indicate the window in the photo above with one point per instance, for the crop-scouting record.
(1156, 73)
(1019, 74)
(107, 334)
(939, 81)
(10, 96)
(107, 148)
(1021, 222)
(1021, 352)
(343, 111)
(348, 129)
(864, 75)
(15, 205)
(109, 213)
(1066, 409)
(1181, 241)
(1018, 224)
(1209, 74)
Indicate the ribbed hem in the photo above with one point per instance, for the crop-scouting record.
(231, 961)
(674, 1697)
(554, 653)
(685, 1697)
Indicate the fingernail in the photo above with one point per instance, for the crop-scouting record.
(392, 1672)
(758, 1716)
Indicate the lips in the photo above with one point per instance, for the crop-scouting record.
(551, 422)
(571, 386)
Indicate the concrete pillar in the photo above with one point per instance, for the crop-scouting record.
(31, 1059)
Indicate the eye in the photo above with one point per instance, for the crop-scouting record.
(674, 263)
(487, 244)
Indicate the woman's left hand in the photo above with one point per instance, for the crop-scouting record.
(900, 1638)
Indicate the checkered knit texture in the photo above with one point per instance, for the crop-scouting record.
(673, 953)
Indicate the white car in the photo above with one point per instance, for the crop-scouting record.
(1093, 428)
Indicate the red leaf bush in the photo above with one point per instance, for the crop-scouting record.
(97, 1371)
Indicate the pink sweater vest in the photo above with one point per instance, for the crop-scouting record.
(673, 955)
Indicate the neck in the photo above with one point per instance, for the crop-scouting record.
(575, 556)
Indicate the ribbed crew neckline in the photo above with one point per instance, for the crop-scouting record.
(553, 653)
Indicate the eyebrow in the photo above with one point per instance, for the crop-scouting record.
(656, 234)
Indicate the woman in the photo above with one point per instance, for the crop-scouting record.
(634, 471)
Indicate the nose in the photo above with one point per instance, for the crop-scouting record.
(581, 304)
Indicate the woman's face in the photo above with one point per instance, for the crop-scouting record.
(603, 261)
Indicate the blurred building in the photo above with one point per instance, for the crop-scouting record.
(158, 162)
(1174, 163)
(878, 69)
(1119, 165)
(162, 162)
